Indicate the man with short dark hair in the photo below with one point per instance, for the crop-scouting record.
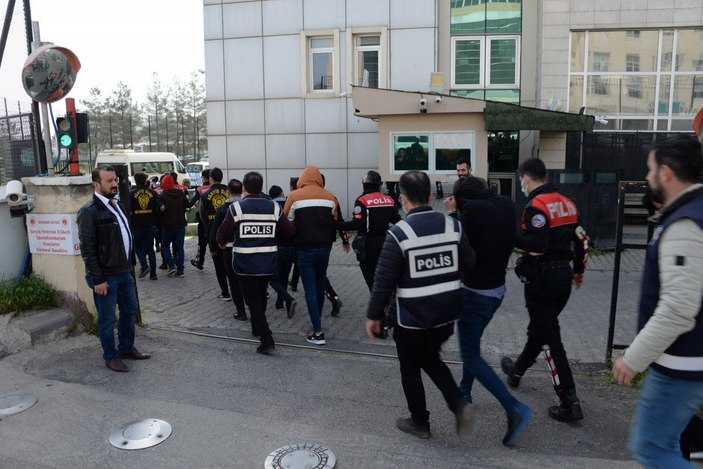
(202, 240)
(254, 222)
(669, 344)
(210, 201)
(144, 206)
(463, 164)
(107, 250)
(488, 220)
(551, 238)
(422, 260)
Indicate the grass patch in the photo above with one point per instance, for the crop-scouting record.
(31, 292)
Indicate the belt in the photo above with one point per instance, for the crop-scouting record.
(555, 264)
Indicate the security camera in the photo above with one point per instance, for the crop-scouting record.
(14, 193)
(438, 99)
(423, 102)
(601, 120)
(19, 202)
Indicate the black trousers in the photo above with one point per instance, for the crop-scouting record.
(368, 265)
(202, 241)
(545, 300)
(254, 291)
(418, 349)
(235, 290)
(218, 260)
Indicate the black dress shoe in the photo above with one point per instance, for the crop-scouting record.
(135, 354)
(240, 317)
(117, 365)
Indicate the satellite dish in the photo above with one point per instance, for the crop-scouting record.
(49, 73)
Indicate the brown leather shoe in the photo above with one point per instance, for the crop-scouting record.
(135, 354)
(117, 365)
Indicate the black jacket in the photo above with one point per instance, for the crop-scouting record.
(102, 248)
(489, 222)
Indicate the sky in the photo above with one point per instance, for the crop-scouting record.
(115, 40)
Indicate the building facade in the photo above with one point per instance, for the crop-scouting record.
(279, 76)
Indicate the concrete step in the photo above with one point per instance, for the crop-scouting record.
(31, 328)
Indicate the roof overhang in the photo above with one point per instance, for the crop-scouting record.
(373, 103)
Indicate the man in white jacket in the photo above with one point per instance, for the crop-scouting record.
(670, 342)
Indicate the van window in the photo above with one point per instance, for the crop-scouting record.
(161, 167)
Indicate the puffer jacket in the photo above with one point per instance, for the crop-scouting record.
(314, 211)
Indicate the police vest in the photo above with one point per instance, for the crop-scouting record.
(213, 199)
(143, 207)
(684, 358)
(560, 210)
(382, 206)
(428, 293)
(254, 251)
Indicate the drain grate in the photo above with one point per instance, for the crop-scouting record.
(140, 434)
(15, 403)
(301, 456)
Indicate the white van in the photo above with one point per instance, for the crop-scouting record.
(151, 163)
(194, 170)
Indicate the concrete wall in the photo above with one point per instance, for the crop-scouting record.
(61, 195)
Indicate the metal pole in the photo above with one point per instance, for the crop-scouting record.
(44, 112)
(39, 150)
(616, 273)
(6, 27)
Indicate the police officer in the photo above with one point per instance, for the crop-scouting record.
(422, 260)
(374, 213)
(202, 241)
(210, 201)
(551, 238)
(254, 221)
(144, 207)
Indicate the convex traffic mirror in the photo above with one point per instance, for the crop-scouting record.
(49, 73)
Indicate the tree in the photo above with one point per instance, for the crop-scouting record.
(124, 113)
(156, 110)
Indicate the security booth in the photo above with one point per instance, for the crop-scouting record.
(428, 131)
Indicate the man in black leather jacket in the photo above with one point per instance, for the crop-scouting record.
(107, 249)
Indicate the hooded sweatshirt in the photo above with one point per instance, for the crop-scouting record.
(175, 204)
(313, 209)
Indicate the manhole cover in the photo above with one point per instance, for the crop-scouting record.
(15, 403)
(301, 456)
(140, 434)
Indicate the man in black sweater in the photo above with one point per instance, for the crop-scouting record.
(489, 221)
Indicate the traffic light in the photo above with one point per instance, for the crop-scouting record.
(66, 131)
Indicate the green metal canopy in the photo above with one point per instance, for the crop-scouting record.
(504, 116)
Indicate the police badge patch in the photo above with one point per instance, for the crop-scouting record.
(538, 220)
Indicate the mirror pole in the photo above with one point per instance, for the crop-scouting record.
(46, 134)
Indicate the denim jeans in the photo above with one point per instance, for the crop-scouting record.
(312, 264)
(665, 407)
(121, 292)
(476, 312)
(144, 247)
(175, 236)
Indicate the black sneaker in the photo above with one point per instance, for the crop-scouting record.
(171, 272)
(290, 309)
(196, 264)
(336, 305)
(265, 349)
(293, 286)
(317, 339)
(222, 297)
(143, 272)
(153, 277)
(409, 426)
(508, 367)
(179, 274)
(279, 305)
(570, 412)
(163, 266)
(240, 317)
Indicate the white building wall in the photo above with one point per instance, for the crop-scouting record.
(258, 118)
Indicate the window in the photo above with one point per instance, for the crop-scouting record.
(366, 57)
(599, 86)
(632, 62)
(601, 61)
(414, 151)
(634, 87)
(485, 62)
(633, 33)
(320, 63)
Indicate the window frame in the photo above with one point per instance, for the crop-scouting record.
(485, 61)
(431, 149)
(351, 50)
(307, 86)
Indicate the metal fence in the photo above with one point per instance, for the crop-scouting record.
(17, 151)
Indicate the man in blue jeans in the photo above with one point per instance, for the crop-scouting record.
(145, 206)
(314, 211)
(107, 249)
(488, 220)
(669, 344)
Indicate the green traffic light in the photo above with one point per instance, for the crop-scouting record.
(65, 140)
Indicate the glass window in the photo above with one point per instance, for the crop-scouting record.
(578, 41)
(366, 67)
(504, 96)
(575, 93)
(503, 60)
(485, 16)
(503, 17)
(468, 17)
(322, 63)
(467, 62)
(503, 151)
(449, 146)
(688, 95)
(411, 152)
(600, 62)
(632, 63)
